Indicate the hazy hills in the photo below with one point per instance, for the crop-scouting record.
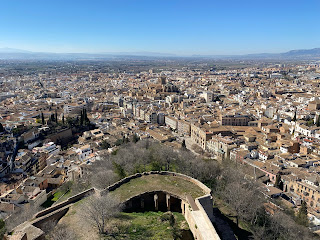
(315, 52)
(301, 54)
(11, 53)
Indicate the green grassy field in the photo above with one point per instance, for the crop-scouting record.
(54, 198)
(172, 184)
(147, 225)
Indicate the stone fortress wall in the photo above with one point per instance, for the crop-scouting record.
(198, 213)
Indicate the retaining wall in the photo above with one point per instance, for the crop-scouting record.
(53, 216)
(70, 200)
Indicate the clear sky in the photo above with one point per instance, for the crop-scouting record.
(167, 26)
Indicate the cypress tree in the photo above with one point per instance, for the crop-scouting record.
(183, 144)
(63, 119)
(302, 217)
(2, 228)
(295, 116)
(42, 118)
(81, 117)
(105, 144)
(86, 119)
(135, 138)
(278, 183)
(119, 170)
(56, 116)
(318, 121)
(1, 128)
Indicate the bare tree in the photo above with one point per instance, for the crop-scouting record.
(81, 184)
(280, 226)
(21, 216)
(49, 226)
(164, 155)
(284, 227)
(240, 195)
(61, 232)
(99, 209)
(206, 171)
(103, 178)
(132, 158)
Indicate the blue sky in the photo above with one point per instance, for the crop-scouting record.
(167, 26)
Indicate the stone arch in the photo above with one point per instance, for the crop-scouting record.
(154, 201)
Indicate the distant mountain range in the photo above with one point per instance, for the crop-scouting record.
(303, 52)
(300, 54)
(11, 53)
(293, 54)
(13, 50)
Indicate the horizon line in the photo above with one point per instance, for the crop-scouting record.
(146, 52)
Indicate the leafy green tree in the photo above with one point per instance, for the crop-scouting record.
(16, 131)
(2, 228)
(69, 121)
(155, 166)
(135, 138)
(119, 170)
(139, 168)
(105, 144)
(302, 216)
(115, 152)
(119, 142)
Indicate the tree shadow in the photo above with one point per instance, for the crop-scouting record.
(227, 229)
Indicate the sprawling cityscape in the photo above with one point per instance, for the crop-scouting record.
(58, 119)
